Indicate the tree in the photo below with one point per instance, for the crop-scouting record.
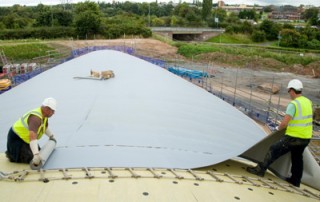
(232, 18)
(194, 20)
(174, 21)
(248, 14)
(87, 23)
(9, 21)
(220, 13)
(247, 27)
(258, 36)
(158, 22)
(313, 44)
(125, 24)
(63, 17)
(13, 21)
(87, 19)
(182, 10)
(310, 32)
(289, 38)
(311, 15)
(271, 29)
(268, 9)
(167, 21)
(206, 9)
(43, 16)
(287, 26)
(218, 16)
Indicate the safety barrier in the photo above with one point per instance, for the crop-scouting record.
(125, 49)
(85, 50)
(20, 78)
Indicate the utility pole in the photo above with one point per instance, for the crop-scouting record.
(279, 38)
(149, 16)
(51, 17)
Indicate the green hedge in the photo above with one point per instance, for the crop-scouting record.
(115, 31)
(41, 33)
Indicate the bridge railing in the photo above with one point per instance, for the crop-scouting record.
(184, 29)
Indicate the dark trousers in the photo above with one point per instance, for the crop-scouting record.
(288, 144)
(18, 150)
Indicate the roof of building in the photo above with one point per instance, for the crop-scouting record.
(138, 136)
(142, 114)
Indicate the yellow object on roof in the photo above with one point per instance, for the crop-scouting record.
(4, 84)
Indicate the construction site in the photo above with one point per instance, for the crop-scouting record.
(158, 126)
(260, 94)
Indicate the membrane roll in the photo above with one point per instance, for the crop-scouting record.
(45, 153)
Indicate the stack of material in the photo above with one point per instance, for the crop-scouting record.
(95, 75)
(107, 74)
(4, 84)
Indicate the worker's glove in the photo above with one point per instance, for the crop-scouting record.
(50, 135)
(36, 159)
(53, 139)
(277, 128)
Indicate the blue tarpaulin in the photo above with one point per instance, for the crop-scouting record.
(193, 74)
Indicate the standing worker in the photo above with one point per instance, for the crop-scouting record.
(298, 124)
(23, 136)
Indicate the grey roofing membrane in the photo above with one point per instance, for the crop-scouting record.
(143, 117)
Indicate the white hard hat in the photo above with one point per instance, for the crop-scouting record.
(295, 84)
(50, 102)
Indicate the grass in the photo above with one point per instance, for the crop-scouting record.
(241, 44)
(286, 56)
(231, 38)
(18, 51)
(21, 50)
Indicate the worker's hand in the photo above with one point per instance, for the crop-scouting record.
(53, 139)
(36, 159)
(277, 128)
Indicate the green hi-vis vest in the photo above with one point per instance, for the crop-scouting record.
(300, 125)
(21, 127)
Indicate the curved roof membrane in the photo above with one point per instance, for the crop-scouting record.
(143, 117)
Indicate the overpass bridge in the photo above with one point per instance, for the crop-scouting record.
(187, 33)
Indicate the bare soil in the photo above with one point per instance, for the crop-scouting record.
(158, 49)
(312, 69)
(146, 47)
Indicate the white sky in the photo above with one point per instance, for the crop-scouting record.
(248, 2)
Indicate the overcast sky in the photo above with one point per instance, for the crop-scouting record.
(248, 2)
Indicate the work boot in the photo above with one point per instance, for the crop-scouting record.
(256, 170)
(296, 184)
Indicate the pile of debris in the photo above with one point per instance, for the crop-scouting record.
(269, 88)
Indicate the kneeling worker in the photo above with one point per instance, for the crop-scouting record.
(23, 136)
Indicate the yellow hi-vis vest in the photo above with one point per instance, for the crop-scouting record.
(21, 127)
(300, 125)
